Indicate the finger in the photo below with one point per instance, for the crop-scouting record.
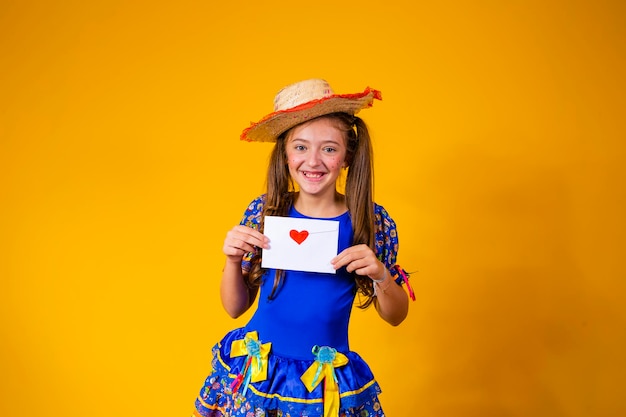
(231, 249)
(361, 265)
(249, 235)
(349, 254)
(355, 261)
(237, 246)
(365, 272)
(342, 260)
(248, 231)
(245, 246)
(234, 252)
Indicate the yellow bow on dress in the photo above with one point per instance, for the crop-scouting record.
(255, 369)
(326, 360)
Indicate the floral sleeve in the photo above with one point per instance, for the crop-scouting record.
(252, 218)
(386, 244)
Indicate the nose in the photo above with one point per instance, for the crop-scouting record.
(313, 158)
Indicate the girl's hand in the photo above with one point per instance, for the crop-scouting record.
(362, 260)
(241, 240)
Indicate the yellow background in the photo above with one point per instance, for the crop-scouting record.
(499, 151)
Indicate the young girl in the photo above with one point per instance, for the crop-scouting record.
(293, 357)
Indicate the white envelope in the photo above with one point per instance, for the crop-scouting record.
(300, 244)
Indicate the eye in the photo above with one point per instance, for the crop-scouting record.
(299, 147)
(329, 149)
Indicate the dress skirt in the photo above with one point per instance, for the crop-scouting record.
(247, 379)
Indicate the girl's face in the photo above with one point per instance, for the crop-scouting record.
(316, 152)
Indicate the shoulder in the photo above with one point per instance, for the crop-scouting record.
(257, 204)
(382, 219)
(385, 235)
(387, 246)
(252, 215)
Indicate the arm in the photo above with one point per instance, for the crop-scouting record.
(391, 302)
(235, 295)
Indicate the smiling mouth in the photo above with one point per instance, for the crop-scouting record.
(313, 175)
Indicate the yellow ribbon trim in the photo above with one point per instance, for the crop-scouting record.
(258, 365)
(324, 371)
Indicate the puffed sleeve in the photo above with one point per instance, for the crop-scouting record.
(386, 245)
(252, 218)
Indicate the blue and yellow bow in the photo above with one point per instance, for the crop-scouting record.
(255, 369)
(326, 360)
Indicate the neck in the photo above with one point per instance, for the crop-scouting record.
(313, 206)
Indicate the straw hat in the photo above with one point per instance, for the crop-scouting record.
(302, 101)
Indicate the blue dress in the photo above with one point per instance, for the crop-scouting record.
(261, 369)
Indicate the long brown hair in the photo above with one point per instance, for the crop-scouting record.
(358, 191)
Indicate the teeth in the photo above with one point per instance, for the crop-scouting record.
(311, 175)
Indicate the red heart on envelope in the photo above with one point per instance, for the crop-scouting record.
(299, 237)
